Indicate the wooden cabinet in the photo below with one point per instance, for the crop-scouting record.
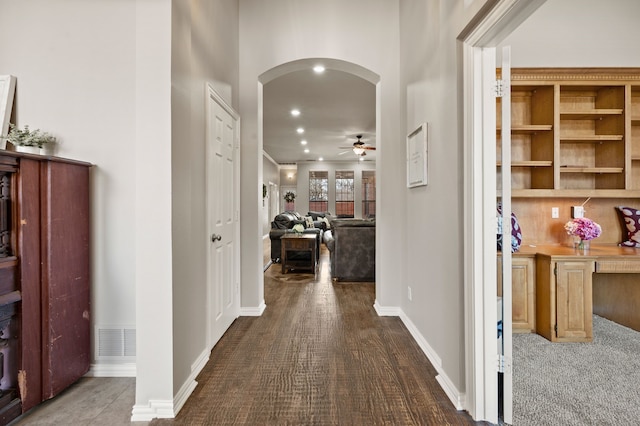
(564, 297)
(635, 136)
(48, 221)
(523, 279)
(575, 132)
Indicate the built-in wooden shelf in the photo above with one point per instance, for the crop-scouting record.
(573, 169)
(540, 163)
(591, 138)
(592, 114)
(573, 128)
(572, 193)
(524, 129)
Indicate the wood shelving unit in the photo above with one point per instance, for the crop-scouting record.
(574, 131)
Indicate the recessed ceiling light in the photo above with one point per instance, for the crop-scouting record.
(320, 159)
(318, 69)
(300, 130)
(303, 142)
(306, 151)
(295, 112)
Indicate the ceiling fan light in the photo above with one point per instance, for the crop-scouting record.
(358, 150)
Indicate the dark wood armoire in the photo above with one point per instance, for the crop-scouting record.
(44, 278)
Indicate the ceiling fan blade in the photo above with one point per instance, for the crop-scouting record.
(373, 148)
(343, 152)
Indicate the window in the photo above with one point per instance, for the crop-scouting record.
(344, 194)
(368, 193)
(318, 191)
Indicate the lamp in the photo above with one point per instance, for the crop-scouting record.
(357, 148)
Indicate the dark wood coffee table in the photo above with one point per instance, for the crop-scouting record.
(293, 243)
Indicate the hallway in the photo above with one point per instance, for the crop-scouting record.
(318, 355)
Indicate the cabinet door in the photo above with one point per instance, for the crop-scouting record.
(574, 301)
(65, 275)
(523, 295)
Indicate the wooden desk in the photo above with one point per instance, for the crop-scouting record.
(297, 243)
(564, 296)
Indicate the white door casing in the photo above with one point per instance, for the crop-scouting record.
(274, 200)
(223, 219)
(490, 26)
(507, 325)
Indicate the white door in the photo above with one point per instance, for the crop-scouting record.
(274, 200)
(222, 173)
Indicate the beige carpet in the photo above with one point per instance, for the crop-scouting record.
(578, 384)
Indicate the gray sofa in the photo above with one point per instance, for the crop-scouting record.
(352, 249)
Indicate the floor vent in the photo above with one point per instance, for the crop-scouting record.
(115, 342)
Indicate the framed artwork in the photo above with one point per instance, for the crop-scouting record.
(417, 158)
(7, 89)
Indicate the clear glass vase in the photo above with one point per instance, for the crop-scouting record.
(582, 246)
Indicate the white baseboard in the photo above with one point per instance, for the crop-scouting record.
(386, 311)
(190, 384)
(422, 342)
(253, 312)
(156, 409)
(112, 370)
(168, 410)
(457, 398)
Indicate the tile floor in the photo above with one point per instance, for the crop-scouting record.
(95, 401)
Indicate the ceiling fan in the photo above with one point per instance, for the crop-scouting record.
(359, 147)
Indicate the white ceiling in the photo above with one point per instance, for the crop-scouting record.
(335, 106)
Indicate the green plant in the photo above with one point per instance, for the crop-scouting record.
(28, 137)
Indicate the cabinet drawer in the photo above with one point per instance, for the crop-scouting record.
(617, 266)
(299, 245)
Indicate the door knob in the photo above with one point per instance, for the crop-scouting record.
(215, 237)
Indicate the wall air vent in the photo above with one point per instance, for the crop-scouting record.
(115, 342)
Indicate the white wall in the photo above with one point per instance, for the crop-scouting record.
(431, 93)
(97, 75)
(578, 33)
(204, 49)
(560, 33)
(76, 79)
(154, 311)
(363, 32)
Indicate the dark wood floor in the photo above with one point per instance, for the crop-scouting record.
(319, 355)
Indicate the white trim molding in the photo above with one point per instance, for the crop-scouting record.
(112, 370)
(155, 409)
(387, 311)
(190, 384)
(457, 398)
(253, 311)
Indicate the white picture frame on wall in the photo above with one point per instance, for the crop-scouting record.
(417, 157)
(7, 90)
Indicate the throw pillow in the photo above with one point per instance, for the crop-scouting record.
(516, 232)
(309, 221)
(301, 222)
(326, 222)
(631, 232)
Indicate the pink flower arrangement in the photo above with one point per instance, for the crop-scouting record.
(583, 228)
